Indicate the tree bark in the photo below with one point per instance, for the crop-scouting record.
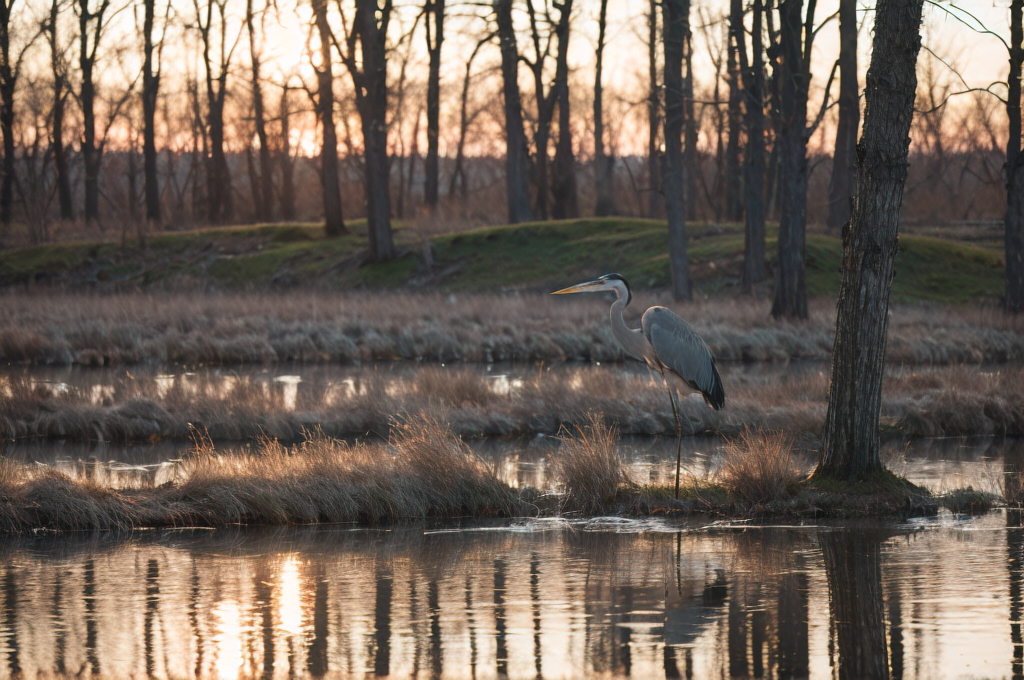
(849, 448)
(690, 162)
(854, 571)
(434, 9)
(733, 175)
(265, 202)
(8, 84)
(150, 90)
(60, 94)
(220, 202)
(565, 202)
(842, 186)
(753, 162)
(794, 73)
(604, 164)
(285, 160)
(371, 23)
(91, 154)
(675, 16)
(1014, 221)
(334, 221)
(517, 167)
(655, 205)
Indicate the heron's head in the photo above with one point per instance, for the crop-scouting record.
(609, 283)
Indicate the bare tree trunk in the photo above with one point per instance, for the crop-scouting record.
(265, 203)
(150, 91)
(91, 154)
(604, 165)
(434, 9)
(285, 160)
(849, 446)
(690, 165)
(753, 162)
(8, 84)
(675, 15)
(220, 205)
(1014, 221)
(371, 24)
(655, 205)
(334, 222)
(853, 565)
(60, 94)
(733, 174)
(459, 173)
(564, 196)
(516, 157)
(794, 73)
(842, 188)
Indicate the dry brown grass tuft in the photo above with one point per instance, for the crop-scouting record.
(589, 467)
(758, 466)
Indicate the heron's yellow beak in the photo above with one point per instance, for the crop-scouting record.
(587, 287)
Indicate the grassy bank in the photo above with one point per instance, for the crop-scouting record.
(532, 256)
(226, 329)
(939, 401)
(426, 471)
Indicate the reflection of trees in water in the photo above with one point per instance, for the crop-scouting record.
(853, 568)
(652, 605)
(1013, 492)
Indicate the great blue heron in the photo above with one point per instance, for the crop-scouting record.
(663, 341)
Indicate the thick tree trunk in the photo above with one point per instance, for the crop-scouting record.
(854, 571)
(87, 101)
(60, 160)
(849, 448)
(753, 162)
(265, 203)
(434, 9)
(334, 221)
(150, 89)
(790, 275)
(733, 175)
(517, 168)
(675, 14)
(690, 165)
(844, 162)
(285, 160)
(1014, 221)
(565, 202)
(372, 102)
(655, 203)
(604, 165)
(220, 205)
(8, 83)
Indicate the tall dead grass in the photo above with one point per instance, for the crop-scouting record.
(425, 471)
(226, 329)
(758, 466)
(588, 466)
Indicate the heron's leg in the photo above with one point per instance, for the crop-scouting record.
(679, 427)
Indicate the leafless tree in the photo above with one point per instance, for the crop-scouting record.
(465, 119)
(334, 221)
(263, 189)
(844, 161)
(655, 204)
(676, 25)
(752, 69)
(850, 439)
(434, 11)
(604, 164)
(516, 155)
(61, 92)
(564, 194)
(364, 54)
(1014, 221)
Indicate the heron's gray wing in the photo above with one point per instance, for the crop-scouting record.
(683, 351)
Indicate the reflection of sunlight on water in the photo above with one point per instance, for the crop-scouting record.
(164, 383)
(289, 606)
(227, 640)
(290, 389)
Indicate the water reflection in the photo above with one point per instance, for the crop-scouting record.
(930, 600)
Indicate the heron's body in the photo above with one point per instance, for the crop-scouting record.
(663, 341)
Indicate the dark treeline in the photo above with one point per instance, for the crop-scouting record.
(134, 116)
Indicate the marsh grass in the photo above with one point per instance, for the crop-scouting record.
(759, 466)
(588, 466)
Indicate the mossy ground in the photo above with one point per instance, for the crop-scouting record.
(533, 256)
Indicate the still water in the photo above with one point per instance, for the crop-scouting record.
(939, 598)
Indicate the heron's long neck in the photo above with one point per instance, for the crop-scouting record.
(631, 339)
